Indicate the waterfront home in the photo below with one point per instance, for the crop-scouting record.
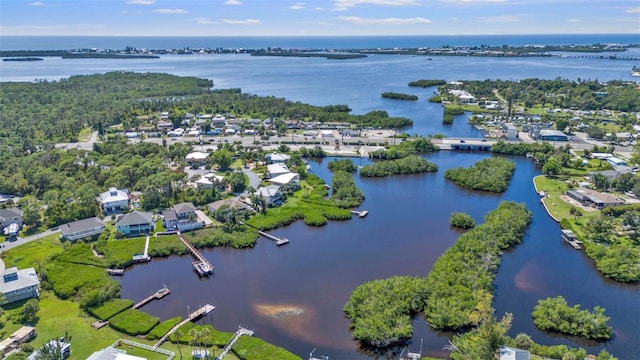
(10, 216)
(85, 228)
(59, 345)
(598, 200)
(19, 285)
(274, 170)
(271, 194)
(182, 217)
(276, 158)
(208, 181)
(135, 223)
(111, 353)
(114, 201)
(288, 180)
(232, 203)
(509, 353)
(24, 334)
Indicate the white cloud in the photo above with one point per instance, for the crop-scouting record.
(233, 2)
(574, 20)
(319, 8)
(140, 2)
(204, 21)
(342, 5)
(297, 6)
(37, 3)
(242, 22)
(171, 11)
(635, 10)
(473, 1)
(502, 19)
(384, 21)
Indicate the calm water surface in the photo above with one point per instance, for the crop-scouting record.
(405, 232)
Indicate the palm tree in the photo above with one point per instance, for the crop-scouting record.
(176, 338)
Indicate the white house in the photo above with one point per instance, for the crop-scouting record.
(274, 170)
(114, 201)
(110, 353)
(271, 195)
(80, 229)
(196, 158)
(208, 181)
(181, 216)
(10, 216)
(510, 131)
(18, 285)
(289, 179)
(276, 158)
(63, 346)
(135, 223)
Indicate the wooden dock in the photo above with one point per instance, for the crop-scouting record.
(202, 266)
(241, 331)
(362, 213)
(278, 241)
(155, 296)
(204, 310)
(144, 257)
(99, 324)
(116, 272)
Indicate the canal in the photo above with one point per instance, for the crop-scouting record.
(292, 296)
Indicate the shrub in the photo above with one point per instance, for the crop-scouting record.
(110, 308)
(251, 348)
(133, 322)
(461, 220)
(163, 328)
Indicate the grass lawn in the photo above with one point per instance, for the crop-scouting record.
(558, 208)
(33, 254)
(85, 134)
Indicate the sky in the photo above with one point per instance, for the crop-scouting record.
(316, 17)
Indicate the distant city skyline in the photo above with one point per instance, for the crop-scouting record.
(317, 17)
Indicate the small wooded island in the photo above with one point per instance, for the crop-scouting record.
(399, 96)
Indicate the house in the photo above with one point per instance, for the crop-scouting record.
(182, 217)
(10, 216)
(616, 161)
(114, 201)
(588, 197)
(111, 353)
(274, 170)
(135, 223)
(276, 158)
(21, 335)
(289, 180)
(19, 285)
(218, 121)
(196, 158)
(208, 181)
(63, 346)
(231, 203)
(85, 228)
(509, 353)
(271, 194)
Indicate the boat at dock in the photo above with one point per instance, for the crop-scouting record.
(116, 272)
(571, 238)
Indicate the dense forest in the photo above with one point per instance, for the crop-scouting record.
(554, 314)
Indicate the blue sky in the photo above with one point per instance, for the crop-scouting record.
(316, 17)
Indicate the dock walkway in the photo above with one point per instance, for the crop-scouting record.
(204, 310)
(279, 241)
(202, 266)
(241, 331)
(157, 295)
(362, 213)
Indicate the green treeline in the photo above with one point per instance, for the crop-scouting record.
(554, 314)
(36, 115)
(410, 147)
(449, 113)
(344, 189)
(491, 174)
(399, 96)
(427, 83)
(342, 164)
(411, 164)
(465, 272)
(380, 311)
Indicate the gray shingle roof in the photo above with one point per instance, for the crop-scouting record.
(81, 225)
(184, 207)
(135, 218)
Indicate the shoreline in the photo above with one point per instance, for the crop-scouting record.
(542, 199)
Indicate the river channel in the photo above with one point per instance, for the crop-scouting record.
(293, 295)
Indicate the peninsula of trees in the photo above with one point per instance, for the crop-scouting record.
(399, 96)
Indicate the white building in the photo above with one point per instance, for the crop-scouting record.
(510, 131)
(196, 158)
(277, 158)
(85, 228)
(114, 201)
(111, 353)
(19, 285)
(508, 353)
(274, 170)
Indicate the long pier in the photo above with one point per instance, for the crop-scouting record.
(204, 310)
(241, 331)
(157, 295)
(279, 241)
(202, 266)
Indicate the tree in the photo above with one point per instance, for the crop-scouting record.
(176, 339)
(552, 167)
(223, 158)
(562, 124)
(50, 351)
(600, 182)
(30, 311)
